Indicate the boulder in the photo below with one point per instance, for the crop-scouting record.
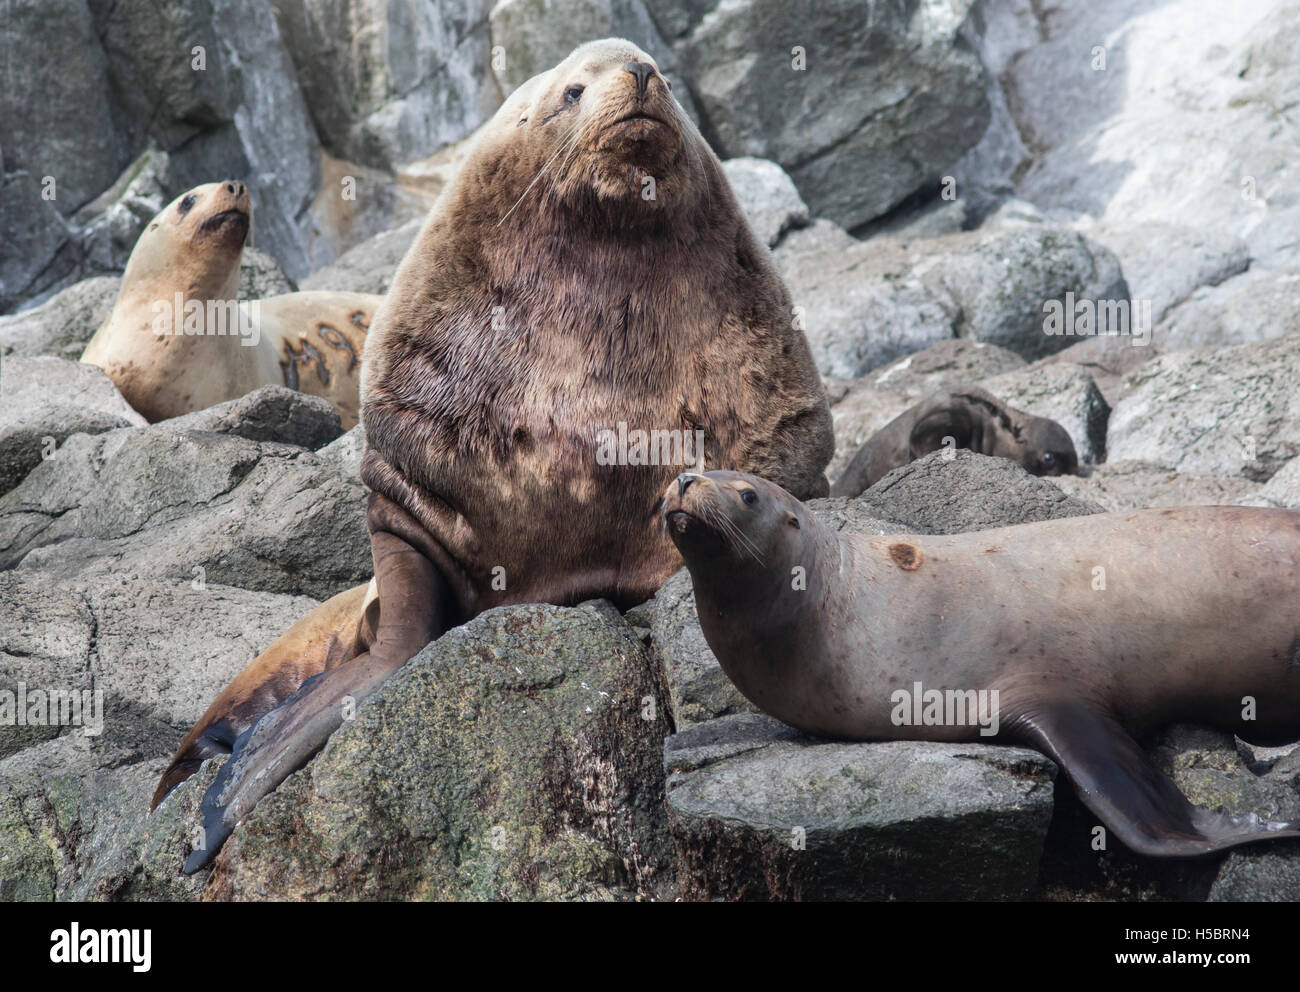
(767, 196)
(45, 400)
(1130, 485)
(188, 505)
(1222, 411)
(899, 96)
(370, 266)
(63, 324)
(1258, 305)
(517, 757)
(268, 413)
(759, 812)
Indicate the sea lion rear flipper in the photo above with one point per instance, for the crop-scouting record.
(1134, 799)
(415, 606)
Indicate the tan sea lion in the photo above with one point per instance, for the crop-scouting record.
(179, 339)
(972, 418)
(584, 300)
(853, 636)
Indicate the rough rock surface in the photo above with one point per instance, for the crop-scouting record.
(269, 413)
(64, 323)
(45, 400)
(759, 812)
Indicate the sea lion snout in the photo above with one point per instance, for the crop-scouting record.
(641, 72)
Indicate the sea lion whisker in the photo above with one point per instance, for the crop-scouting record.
(570, 143)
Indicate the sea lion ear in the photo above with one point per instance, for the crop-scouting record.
(952, 419)
(792, 519)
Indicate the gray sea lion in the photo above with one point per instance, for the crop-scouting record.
(586, 275)
(972, 418)
(179, 339)
(1197, 619)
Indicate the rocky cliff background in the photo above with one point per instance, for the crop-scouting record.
(928, 173)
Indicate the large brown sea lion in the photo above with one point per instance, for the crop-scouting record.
(179, 339)
(585, 302)
(964, 417)
(1008, 632)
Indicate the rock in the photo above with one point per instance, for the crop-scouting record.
(1258, 305)
(767, 196)
(112, 223)
(863, 306)
(758, 814)
(45, 400)
(1062, 392)
(954, 491)
(1001, 283)
(820, 235)
(178, 505)
(1222, 411)
(49, 257)
(260, 276)
(517, 757)
(1140, 141)
(345, 452)
(899, 104)
(1109, 359)
(1259, 874)
(158, 650)
(1165, 263)
(63, 324)
(1129, 485)
(1283, 489)
(370, 266)
(944, 366)
(387, 84)
(885, 298)
(268, 413)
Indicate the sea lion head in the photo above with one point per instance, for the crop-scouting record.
(734, 522)
(1047, 448)
(194, 243)
(599, 132)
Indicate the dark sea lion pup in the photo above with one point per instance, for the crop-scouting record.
(1008, 632)
(972, 418)
(587, 274)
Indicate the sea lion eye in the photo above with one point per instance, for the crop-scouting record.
(1047, 459)
(185, 204)
(573, 94)
(749, 496)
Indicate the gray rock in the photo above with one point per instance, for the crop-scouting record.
(1259, 874)
(1129, 485)
(954, 491)
(1142, 141)
(820, 235)
(260, 276)
(517, 757)
(1222, 411)
(800, 818)
(345, 452)
(388, 83)
(370, 266)
(1255, 306)
(1283, 489)
(269, 413)
(1062, 392)
(1109, 359)
(900, 103)
(49, 257)
(112, 223)
(999, 284)
(45, 400)
(944, 366)
(1165, 263)
(64, 323)
(767, 196)
(863, 306)
(163, 503)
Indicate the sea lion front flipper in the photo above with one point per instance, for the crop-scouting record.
(1134, 799)
(415, 607)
